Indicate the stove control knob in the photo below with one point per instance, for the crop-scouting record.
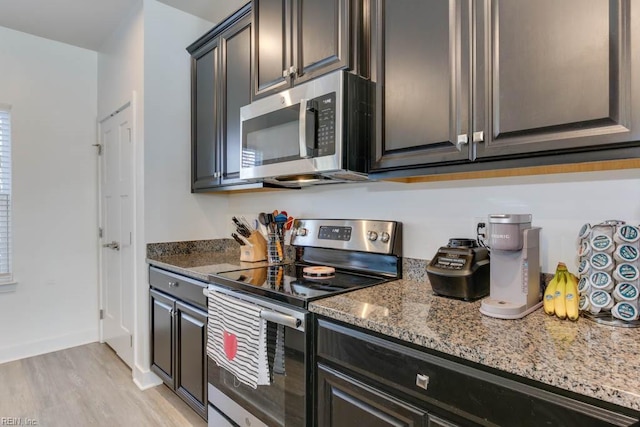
(384, 237)
(372, 235)
(301, 231)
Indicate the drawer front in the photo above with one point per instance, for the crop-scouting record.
(476, 395)
(181, 287)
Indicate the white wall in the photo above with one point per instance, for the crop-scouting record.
(120, 67)
(433, 212)
(173, 213)
(147, 55)
(121, 80)
(52, 89)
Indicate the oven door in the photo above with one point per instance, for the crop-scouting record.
(287, 400)
(295, 132)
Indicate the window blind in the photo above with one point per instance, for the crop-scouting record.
(5, 194)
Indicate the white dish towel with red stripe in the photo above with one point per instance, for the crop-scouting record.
(237, 339)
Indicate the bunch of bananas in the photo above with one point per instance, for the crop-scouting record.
(561, 296)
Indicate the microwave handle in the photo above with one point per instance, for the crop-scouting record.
(304, 112)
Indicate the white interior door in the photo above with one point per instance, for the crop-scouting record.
(116, 196)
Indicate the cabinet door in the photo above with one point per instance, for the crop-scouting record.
(235, 46)
(422, 66)
(163, 337)
(435, 421)
(271, 46)
(346, 402)
(322, 37)
(204, 118)
(555, 74)
(191, 349)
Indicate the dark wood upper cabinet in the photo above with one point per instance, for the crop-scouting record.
(236, 90)
(297, 40)
(470, 85)
(221, 83)
(204, 122)
(422, 70)
(555, 75)
(271, 44)
(322, 37)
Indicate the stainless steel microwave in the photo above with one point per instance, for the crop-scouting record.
(315, 133)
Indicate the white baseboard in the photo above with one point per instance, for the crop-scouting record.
(35, 348)
(145, 379)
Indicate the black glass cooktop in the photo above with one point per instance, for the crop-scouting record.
(287, 283)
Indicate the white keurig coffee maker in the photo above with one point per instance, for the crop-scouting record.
(514, 289)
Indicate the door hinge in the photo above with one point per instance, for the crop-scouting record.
(99, 148)
(100, 232)
(101, 314)
(130, 340)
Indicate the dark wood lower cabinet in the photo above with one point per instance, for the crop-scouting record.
(178, 321)
(191, 375)
(346, 402)
(369, 380)
(163, 337)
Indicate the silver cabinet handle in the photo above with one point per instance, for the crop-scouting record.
(173, 284)
(303, 129)
(113, 245)
(289, 72)
(463, 139)
(478, 136)
(422, 381)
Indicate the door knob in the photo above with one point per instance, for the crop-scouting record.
(113, 245)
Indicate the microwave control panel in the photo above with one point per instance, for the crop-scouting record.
(326, 124)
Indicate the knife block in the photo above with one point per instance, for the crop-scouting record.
(256, 250)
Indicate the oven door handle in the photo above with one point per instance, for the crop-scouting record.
(281, 319)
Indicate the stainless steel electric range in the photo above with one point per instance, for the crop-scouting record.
(331, 256)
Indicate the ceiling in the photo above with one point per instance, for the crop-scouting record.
(87, 23)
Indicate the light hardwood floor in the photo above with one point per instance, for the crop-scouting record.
(85, 386)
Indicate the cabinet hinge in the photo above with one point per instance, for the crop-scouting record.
(101, 314)
(100, 232)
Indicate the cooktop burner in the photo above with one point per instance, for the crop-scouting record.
(339, 255)
(289, 283)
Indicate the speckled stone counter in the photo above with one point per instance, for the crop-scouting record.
(583, 357)
(198, 259)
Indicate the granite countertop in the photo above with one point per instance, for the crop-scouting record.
(201, 265)
(198, 258)
(584, 357)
